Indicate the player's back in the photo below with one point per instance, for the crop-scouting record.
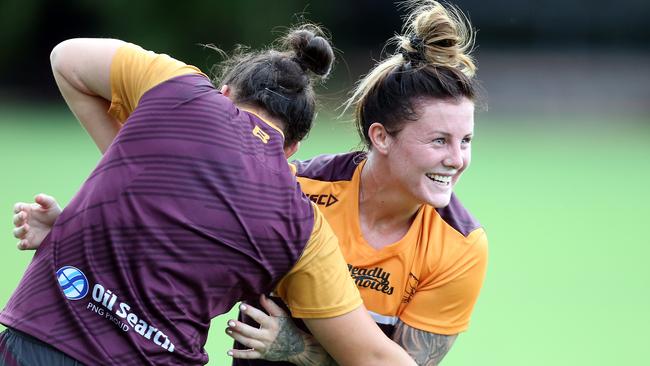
(192, 208)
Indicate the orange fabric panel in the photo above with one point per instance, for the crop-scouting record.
(430, 279)
(134, 71)
(319, 286)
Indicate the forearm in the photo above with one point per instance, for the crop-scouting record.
(426, 348)
(390, 354)
(308, 352)
(350, 339)
(355, 339)
(296, 346)
(311, 353)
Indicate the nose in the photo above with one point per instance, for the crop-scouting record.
(454, 157)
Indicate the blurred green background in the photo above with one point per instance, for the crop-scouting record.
(560, 169)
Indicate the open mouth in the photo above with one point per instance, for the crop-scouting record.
(440, 179)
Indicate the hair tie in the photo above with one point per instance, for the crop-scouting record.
(418, 44)
(417, 56)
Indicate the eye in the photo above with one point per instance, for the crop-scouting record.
(466, 140)
(439, 141)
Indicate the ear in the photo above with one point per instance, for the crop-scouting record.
(379, 138)
(225, 90)
(291, 149)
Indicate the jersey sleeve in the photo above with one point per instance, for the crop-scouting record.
(444, 304)
(134, 71)
(319, 285)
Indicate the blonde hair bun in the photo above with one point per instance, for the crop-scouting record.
(438, 35)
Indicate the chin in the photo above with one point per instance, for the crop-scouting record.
(439, 200)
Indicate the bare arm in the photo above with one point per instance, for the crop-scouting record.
(276, 339)
(298, 347)
(81, 68)
(288, 343)
(343, 337)
(426, 348)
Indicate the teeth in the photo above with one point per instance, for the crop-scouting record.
(440, 178)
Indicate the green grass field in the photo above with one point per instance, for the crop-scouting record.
(564, 202)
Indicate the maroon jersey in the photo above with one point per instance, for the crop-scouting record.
(192, 208)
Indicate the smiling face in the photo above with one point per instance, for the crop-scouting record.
(427, 157)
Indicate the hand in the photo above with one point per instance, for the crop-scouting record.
(33, 221)
(277, 338)
(263, 340)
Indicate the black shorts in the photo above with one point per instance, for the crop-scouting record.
(20, 349)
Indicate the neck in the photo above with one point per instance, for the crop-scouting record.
(262, 113)
(385, 211)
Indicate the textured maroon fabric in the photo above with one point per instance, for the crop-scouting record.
(188, 212)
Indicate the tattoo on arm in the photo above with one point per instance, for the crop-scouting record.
(297, 347)
(288, 342)
(426, 348)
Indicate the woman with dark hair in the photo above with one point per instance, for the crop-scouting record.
(416, 254)
(192, 208)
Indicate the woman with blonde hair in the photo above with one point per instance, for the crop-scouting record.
(416, 254)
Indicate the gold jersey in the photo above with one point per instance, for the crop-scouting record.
(429, 279)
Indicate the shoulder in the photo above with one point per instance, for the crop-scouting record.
(330, 167)
(461, 235)
(191, 91)
(135, 71)
(458, 217)
(456, 240)
(149, 64)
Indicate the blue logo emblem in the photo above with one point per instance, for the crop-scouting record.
(73, 282)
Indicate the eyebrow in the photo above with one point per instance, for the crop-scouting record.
(448, 134)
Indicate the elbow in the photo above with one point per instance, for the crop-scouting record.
(65, 61)
(66, 50)
(55, 55)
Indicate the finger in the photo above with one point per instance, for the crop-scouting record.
(44, 200)
(245, 329)
(19, 218)
(271, 307)
(246, 341)
(20, 232)
(256, 314)
(248, 354)
(19, 206)
(25, 245)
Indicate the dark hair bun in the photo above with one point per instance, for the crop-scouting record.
(313, 52)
